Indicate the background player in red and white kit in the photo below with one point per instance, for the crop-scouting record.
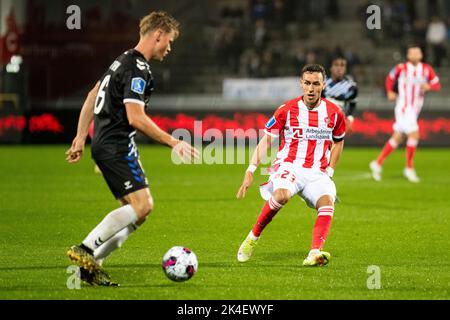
(311, 131)
(118, 101)
(413, 79)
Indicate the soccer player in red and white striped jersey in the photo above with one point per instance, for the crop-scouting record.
(413, 79)
(311, 131)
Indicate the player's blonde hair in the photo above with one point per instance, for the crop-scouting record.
(158, 20)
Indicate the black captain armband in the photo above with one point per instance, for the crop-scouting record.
(338, 139)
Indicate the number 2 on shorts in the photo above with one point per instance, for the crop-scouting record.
(285, 174)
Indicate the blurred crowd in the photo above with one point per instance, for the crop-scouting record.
(270, 38)
(265, 38)
(403, 25)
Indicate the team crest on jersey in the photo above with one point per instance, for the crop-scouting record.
(297, 133)
(138, 85)
(329, 122)
(271, 122)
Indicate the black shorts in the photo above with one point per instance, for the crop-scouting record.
(123, 175)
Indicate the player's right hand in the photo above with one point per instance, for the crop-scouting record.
(248, 179)
(391, 95)
(348, 124)
(186, 152)
(75, 152)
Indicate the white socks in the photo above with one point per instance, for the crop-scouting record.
(114, 222)
(113, 243)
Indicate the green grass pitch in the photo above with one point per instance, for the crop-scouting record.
(46, 205)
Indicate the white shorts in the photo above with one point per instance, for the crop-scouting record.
(310, 184)
(405, 122)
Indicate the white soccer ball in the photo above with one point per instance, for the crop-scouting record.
(179, 263)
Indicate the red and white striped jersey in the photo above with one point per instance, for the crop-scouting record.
(409, 79)
(306, 135)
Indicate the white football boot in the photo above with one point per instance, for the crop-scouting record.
(246, 248)
(376, 170)
(316, 258)
(411, 175)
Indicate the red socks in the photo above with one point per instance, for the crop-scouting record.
(390, 146)
(269, 210)
(411, 146)
(322, 227)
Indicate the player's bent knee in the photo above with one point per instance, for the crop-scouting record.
(143, 208)
(147, 207)
(326, 200)
(282, 196)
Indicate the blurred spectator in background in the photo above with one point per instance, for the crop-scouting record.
(260, 10)
(399, 18)
(298, 56)
(261, 36)
(268, 68)
(436, 39)
(333, 9)
(311, 57)
(232, 11)
(228, 47)
(251, 63)
(318, 11)
(432, 8)
(280, 15)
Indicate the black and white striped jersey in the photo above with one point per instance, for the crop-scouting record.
(342, 92)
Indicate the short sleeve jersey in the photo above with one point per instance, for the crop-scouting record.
(408, 79)
(127, 80)
(306, 135)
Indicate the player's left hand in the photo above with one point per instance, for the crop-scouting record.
(425, 87)
(75, 152)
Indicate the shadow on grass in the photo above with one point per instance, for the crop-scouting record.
(257, 263)
(28, 268)
(284, 255)
(199, 200)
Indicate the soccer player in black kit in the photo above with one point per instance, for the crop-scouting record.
(116, 104)
(341, 89)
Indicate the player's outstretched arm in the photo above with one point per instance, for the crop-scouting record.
(259, 153)
(139, 120)
(75, 152)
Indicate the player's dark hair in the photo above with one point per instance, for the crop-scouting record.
(313, 68)
(412, 45)
(335, 58)
(158, 20)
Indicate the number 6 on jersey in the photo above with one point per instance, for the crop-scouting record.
(100, 100)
